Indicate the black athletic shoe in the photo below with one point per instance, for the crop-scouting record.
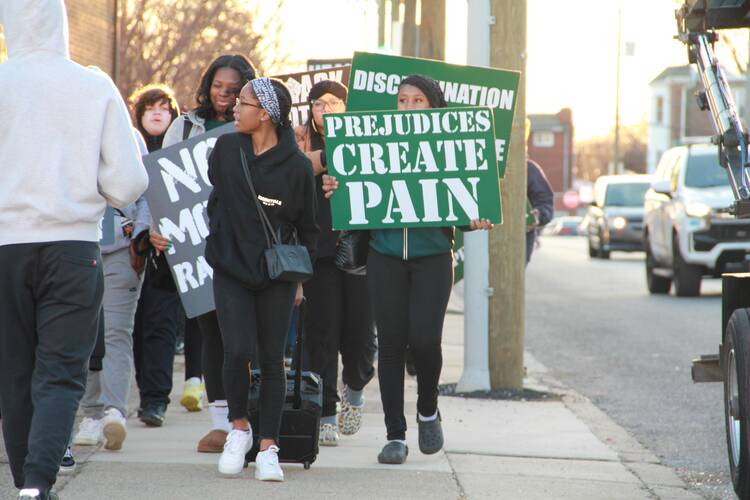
(68, 463)
(25, 495)
(410, 368)
(153, 414)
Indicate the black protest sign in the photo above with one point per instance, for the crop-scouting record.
(177, 196)
(107, 227)
(316, 64)
(299, 85)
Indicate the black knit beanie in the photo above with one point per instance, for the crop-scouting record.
(328, 87)
(429, 87)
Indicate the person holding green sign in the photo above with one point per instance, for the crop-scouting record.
(410, 275)
(339, 316)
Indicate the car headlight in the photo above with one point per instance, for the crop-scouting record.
(699, 210)
(619, 223)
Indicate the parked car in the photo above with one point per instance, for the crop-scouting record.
(563, 226)
(614, 221)
(689, 232)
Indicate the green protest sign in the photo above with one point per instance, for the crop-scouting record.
(423, 168)
(374, 81)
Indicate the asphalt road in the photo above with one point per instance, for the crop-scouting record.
(594, 325)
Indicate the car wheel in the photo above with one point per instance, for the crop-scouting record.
(735, 356)
(592, 250)
(686, 277)
(603, 254)
(656, 284)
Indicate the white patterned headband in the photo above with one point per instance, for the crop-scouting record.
(267, 97)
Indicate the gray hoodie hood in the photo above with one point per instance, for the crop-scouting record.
(34, 26)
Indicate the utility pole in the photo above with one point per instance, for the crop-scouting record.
(476, 374)
(746, 118)
(381, 23)
(431, 30)
(616, 162)
(410, 38)
(508, 241)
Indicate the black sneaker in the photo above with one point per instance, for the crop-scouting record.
(411, 369)
(68, 463)
(393, 453)
(430, 435)
(153, 414)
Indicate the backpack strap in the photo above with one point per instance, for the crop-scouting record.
(187, 127)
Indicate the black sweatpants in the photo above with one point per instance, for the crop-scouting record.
(50, 296)
(212, 356)
(193, 348)
(254, 321)
(409, 301)
(154, 338)
(339, 319)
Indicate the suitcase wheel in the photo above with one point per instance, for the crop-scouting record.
(307, 465)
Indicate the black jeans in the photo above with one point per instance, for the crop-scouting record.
(50, 296)
(254, 321)
(409, 300)
(154, 338)
(339, 319)
(212, 356)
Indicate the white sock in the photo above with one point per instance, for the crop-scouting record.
(193, 381)
(427, 419)
(219, 415)
(402, 441)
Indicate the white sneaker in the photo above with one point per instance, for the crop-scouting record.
(89, 432)
(267, 466)
(113, 428)
(329, 435)
(236, 446)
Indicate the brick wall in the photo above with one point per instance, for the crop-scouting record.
(92, 32)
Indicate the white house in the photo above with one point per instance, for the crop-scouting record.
(675, 117)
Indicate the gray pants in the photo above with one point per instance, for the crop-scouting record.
(110, 387)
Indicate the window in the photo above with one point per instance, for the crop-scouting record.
(659, 109)
(626, 195)
(544, 139)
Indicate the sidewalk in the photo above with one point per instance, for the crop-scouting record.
(562, 447)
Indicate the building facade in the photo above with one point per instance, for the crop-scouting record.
(93, 33)
(550, 144)
(675, 118)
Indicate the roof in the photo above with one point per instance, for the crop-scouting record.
(624, 178)
(545, 122)
(689, 71)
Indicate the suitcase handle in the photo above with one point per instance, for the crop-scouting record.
(298, 355)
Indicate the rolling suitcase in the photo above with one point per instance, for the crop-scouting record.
(300, 420)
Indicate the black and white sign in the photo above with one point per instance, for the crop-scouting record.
(177, 197)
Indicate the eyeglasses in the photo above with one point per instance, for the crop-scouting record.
(237, 102)
(321, 104)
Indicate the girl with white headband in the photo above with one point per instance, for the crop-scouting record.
(253, 310)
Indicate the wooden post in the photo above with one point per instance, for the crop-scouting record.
(432, 30)
(409, 41)
(508, 241)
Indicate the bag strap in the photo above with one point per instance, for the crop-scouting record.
(298, 351)
(186, 128)
(267, 226)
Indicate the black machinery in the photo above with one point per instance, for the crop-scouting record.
(697, 22)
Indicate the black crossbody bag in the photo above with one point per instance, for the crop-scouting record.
(284, 262)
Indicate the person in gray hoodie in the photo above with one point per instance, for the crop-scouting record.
(58, 172)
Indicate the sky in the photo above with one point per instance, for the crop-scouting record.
(571, 48)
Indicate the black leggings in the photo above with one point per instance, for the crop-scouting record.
(192, 349)
(409, 301)
(254, 320)
(212, 356)
(339, 318)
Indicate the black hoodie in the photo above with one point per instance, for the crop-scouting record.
(283, 180)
